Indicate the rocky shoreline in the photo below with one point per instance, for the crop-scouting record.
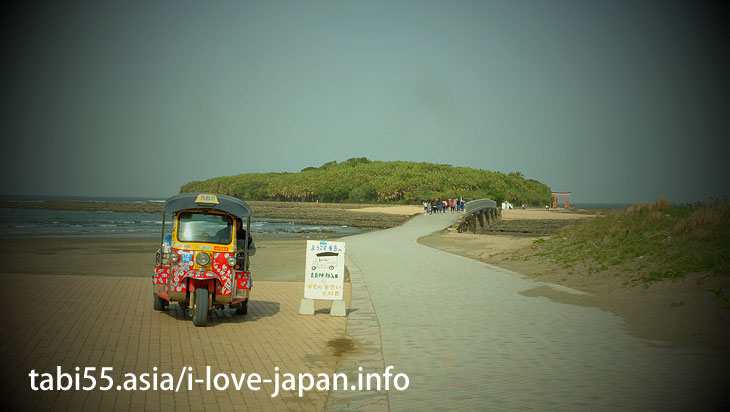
(308, 213)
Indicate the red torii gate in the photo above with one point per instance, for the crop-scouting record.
(556, 195)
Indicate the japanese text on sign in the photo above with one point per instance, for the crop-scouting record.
(324, 270)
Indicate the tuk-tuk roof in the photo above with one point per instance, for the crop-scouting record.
(228, 204)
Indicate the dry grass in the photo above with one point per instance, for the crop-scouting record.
(648, 242)
(706, 223)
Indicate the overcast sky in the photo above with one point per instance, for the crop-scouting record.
(614, 101)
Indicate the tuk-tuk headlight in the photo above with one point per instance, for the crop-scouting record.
(231, 261)
(202, 258)
(174, 257)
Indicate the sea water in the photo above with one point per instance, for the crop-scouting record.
(17, 222)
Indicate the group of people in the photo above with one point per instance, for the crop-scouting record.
(444, 205)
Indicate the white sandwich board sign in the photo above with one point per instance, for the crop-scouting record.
(325, 270)
(324, 274)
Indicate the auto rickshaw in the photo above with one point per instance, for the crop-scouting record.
(202, 265)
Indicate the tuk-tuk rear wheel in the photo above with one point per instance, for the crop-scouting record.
(157, 302)
(201, 307)
(243, 308)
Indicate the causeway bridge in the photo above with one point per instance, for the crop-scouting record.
(482, 212)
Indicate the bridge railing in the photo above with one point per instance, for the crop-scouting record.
(474, 206)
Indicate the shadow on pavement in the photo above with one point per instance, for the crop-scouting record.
(257, 309)
(326, 311)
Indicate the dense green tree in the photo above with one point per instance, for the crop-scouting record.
(366, 181)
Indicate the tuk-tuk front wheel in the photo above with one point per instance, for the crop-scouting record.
(157, 302)
(201, 307)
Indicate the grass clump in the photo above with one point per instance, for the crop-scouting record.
(652, 242)
(720, 294)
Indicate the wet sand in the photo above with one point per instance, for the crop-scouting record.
(276, 259)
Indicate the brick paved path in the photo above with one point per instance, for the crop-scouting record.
(109, 321)
(363, 334)
(469, 341)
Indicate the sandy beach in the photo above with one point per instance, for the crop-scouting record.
(279, 260)
(545, 214)
(682, 312)
(680, 315)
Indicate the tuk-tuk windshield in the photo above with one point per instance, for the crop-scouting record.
(204, 228)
